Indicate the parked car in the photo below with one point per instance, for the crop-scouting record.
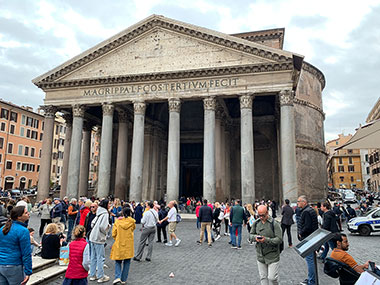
(349, 197)
(366, 224)
(15, 193)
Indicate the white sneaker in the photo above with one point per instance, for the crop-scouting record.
(169, 244)
(178, 242)
(92, 278)
(117, 280)
(105, 266)
(105, 278)
(218, 237)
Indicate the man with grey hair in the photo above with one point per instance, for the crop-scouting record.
(72, 213)
(308, 223)
(266, 232)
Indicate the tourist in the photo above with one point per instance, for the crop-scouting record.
(287, 221)
(162, 213)
(33, 243)
(199, 205)
(217, 217)
(123, 250)
(226, 215)
(308, 223)
(172, 219)
(266, 232)
(72, 212)
(329, 224)
(237, 218)
(100, 226)
(138, 213)
(15, 264)
(338, 212)
(65, 207)
(56, 213)
(44, 210)
(51, 242)
(79, 259)
(85, 210)
(148, 222)
(205, 218)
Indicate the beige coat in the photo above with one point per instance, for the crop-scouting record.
(122, 233)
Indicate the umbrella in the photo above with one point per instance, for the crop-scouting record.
(366, 137)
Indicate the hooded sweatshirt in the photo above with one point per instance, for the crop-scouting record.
(100, 226)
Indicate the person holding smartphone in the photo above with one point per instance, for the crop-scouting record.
(267, 234)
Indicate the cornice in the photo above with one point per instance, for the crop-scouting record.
(161, 22)
(316, 72)
(310, 105)
(186, 74)
(265, 35)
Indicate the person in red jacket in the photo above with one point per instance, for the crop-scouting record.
(79, 256)
(84, 212)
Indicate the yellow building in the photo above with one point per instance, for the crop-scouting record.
(343, 166)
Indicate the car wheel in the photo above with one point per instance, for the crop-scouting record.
(364, 230)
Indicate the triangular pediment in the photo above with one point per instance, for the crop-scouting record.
(159, 45)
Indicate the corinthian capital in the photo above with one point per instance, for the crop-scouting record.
(246, 101)
(78, 110)
(122, 116)
(49, 111)
(209, 103)
(286, 97)
(174, 105)
(139, 107)
(108, 109)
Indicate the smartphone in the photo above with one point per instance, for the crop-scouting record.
(372, 266)
(259, 237)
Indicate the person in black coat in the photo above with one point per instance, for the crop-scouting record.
(205, 218)
(138, 213)
(336, 209)
(287, 221)
(351, 213)
(162, 213)
(329, 224)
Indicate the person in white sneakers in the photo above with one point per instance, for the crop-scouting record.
(172, 219)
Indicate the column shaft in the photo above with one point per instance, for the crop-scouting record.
(105, 151)
(137, 160)
(66, 155)
(46, 155)
(209, 150)
(288, 147)
(85, 161)
(173, 149)
(75, 152)
(247, 150)
(122, 157)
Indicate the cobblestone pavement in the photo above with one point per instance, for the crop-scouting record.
(193, 264)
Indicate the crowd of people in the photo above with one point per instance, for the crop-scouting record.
(90, 222)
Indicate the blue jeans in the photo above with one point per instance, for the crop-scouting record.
(68, 281)
(310, 269)
(70, 229)
(198, 224)
(329, 244)
(119, 273)
(230, 231)
(11, 274)
(233, 232)
(212, 236)
(97, 260)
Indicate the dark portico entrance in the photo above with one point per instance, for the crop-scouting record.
(191, 172)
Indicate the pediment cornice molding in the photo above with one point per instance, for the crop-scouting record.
(164, 23)
(175, 75)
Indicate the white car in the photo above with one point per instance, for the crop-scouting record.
(366, 224)
(349, 197)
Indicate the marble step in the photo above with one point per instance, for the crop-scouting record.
(46, 274)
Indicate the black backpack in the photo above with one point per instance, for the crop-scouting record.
(272, 227)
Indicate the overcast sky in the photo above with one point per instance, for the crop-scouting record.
(341, 38)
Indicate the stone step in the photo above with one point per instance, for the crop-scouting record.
(47, 274)
(39, 263)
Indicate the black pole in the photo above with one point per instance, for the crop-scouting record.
(315, 268)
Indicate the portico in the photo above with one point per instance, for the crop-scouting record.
(212, 107)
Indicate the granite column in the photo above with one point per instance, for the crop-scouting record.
(66, 154)
(85, 160)
(122, 156)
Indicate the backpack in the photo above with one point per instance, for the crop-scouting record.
(178, 218)
(281, 245)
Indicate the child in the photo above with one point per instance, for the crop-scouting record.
(33, 243)
(79, 256)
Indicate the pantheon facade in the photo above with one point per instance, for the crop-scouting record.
(182, 110)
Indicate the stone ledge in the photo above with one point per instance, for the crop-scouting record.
(46, 274)
(39, 263)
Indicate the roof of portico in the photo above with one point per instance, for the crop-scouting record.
(271, 59)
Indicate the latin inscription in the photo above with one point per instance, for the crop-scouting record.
(162, 87)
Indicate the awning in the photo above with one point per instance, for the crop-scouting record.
(366, 137)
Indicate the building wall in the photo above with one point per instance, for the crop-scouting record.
(346, 169)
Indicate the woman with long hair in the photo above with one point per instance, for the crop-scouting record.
(15, 250)
(51, 242)
(44, 210)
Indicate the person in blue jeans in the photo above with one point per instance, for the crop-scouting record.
(237, 219)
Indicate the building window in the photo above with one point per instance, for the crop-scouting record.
(32, 150)
(349, 151)
(22, 131)
(36, 123)
(43, 125)
(10, 147)
(18, 166)
(26, 151)
(34, 135)
(350, 160)
(12, 129)
(341, 178)
(366, 157)
(1, 158)
(38, 168)
(20, 147)
(341, 168)
(340, 160)
(14, 117)
(352, 178)
(41, 134)
(53, 168)
(24, 167)
(23, 119)
(336, 142)
(4, 113)
(8, 165)
(40, 153)
(351, 168)
(56, 130)
(376, 156)
(1, 142)
(28, 133)
(2, 127)
(29, 121)
(368, 170)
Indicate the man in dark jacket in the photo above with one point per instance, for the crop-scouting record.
(205, 218)
(56, 211)
(351, 213)
(329, 224)
(287, 221)
(307, 224)
(162, 213)
(237, 218)
(338, 212)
